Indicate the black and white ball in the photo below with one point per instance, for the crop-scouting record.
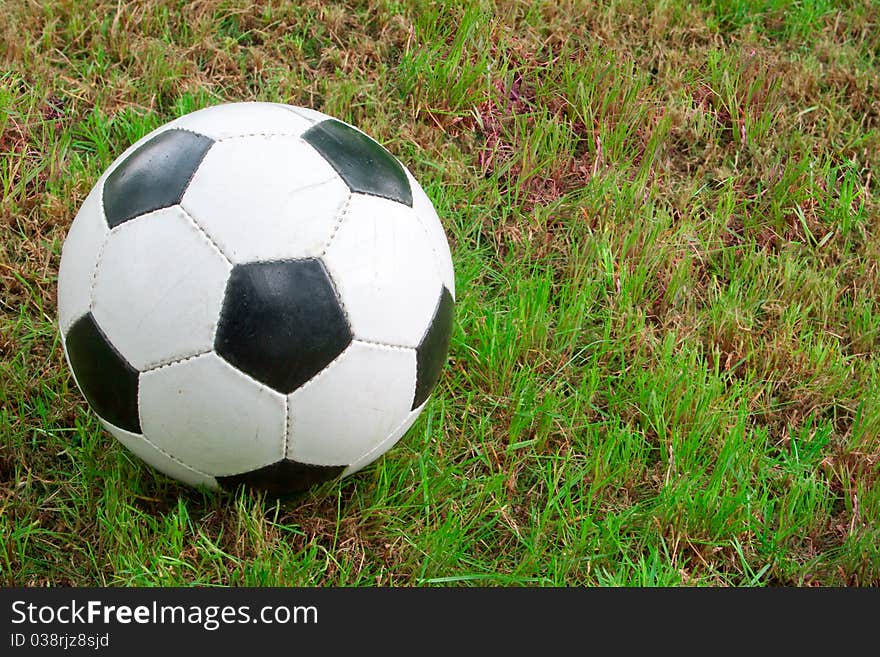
(257, 294)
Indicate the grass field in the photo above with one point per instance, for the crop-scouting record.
(664, 365)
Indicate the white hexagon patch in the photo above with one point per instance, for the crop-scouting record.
(385, 270)
(212, 417)
(169, 279)
(266, 198)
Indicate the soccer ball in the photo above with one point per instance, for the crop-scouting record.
(256, 294)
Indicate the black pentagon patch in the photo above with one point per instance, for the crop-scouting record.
(154, 176)
(107, 380)
(361, 162)
(283, 478)
(433, 349)
(281, 322)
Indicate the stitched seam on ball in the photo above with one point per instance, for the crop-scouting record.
(155, 368)
(196, 167)
(171, 126)
(235, 370)
(101, 251)
(434, 313)
(320, 373)
(249, 469)
(277, 133)
(317, 376)
(285, 438)
(169, 456)
(204, 233)
(384, 345)
(140, 421)
(221, 315)
(343, 213)
(168, 362)
(106, 237)
(338, 297)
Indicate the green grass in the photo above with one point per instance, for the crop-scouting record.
(664, 365)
